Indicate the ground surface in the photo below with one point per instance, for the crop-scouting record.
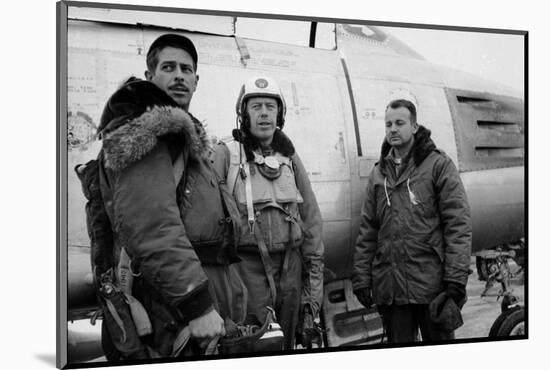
(479, 313)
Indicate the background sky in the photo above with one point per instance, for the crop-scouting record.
(497, 57)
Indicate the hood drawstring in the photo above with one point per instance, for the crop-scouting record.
(386, 191)
(412, 197)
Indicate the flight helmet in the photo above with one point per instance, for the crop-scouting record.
(260, 86)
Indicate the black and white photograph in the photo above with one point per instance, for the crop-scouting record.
(242, 184)
(246, 184)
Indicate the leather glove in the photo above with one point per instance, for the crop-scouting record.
(457, 292)
(364, 295)
(309, 330)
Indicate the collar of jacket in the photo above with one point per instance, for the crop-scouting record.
(139, 136)
(422, 147)
(280, 143)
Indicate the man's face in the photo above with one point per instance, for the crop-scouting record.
(262, 112)
(175, 74)
(399, 129)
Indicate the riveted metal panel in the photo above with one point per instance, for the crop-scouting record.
(215, 24)
(312, 81)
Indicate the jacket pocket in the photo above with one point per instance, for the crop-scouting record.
(427, 249)
(422, 198)
(201, 207)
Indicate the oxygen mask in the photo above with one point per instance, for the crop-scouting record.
(269, 166)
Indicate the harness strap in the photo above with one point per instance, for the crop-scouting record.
(232, 178)
(292, 248)
(234, 169)
(180, 342)
(249, 204)
(212, 347)
(230, 208)
(290, 218)
(267, 262)
(139, 316)
(117, 318)
(264, 252)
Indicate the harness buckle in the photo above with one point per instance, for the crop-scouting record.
(242, 172)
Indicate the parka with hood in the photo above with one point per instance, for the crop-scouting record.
(167, 225)
(415, 231)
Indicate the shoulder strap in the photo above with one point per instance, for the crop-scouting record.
(232, 178)
(255, 229)
(249, 203)
(231, 210)
(235, 163)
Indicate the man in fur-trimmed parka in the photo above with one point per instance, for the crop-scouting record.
(161, 185)
(415, 235)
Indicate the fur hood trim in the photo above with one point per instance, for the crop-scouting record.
(132, 141)
(422, 147)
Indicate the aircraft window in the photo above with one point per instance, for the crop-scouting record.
(364, 32)
(489, 129)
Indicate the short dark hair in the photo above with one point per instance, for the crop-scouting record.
(172, 40)
(398, 103)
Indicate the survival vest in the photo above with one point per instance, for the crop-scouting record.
(268, 204)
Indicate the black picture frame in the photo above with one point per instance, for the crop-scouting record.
(62, 152)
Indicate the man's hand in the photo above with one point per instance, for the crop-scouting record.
(364, 296)
(208, 325)
(308, 331)
(457, 292)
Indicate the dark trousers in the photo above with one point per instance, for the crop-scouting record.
(402, 322)
(228, 291)
(288, 281)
